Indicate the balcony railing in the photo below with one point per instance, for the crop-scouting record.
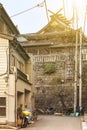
(21, 75)
(49, 58)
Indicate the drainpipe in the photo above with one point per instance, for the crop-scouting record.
(15, 74)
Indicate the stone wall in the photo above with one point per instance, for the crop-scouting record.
(54, 89)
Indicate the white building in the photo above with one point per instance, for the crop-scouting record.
(15, 89)
(15, 86)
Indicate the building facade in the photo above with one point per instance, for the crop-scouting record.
(15, 85)
(15, 88)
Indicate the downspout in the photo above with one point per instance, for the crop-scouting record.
(15, 73)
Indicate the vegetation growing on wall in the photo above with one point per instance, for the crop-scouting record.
(49, 68)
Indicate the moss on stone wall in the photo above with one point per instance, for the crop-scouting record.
(49, 68)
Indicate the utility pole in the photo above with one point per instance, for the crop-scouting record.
(76, 72)
(80, 70)
(85, 20)
(76, 62)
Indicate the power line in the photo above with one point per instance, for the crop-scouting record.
(38, 5)
(46, 10)
(64, 7)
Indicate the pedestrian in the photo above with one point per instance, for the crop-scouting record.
(81, 111)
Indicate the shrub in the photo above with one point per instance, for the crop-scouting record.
(49, 68)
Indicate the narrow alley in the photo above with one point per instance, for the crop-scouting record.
(52, 122)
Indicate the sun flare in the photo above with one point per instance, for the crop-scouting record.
(75, 9)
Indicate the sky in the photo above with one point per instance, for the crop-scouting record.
(36, 18)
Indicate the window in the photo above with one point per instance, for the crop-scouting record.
(2, 106)
(1, 26)
(20, 65)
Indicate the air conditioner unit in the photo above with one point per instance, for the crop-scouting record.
(27, 77)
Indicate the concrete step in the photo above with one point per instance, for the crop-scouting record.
(7, 127)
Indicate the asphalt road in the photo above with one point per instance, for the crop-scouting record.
(56, 123)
